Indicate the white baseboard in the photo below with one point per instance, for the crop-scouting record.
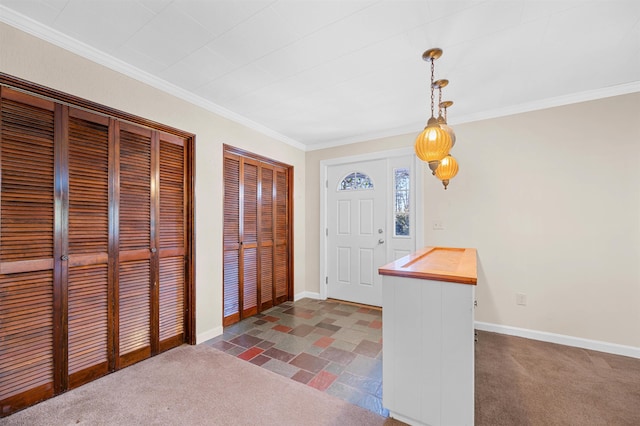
(578, 342)
(308, 294)
(209, 334)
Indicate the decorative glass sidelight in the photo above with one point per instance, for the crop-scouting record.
(401, 186)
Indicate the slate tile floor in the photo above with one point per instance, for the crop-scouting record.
(332, 346)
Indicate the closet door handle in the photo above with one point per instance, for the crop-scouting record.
(64, 257)
(153, 250)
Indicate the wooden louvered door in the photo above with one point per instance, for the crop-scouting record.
(281, 236)
(89, 291)
(249, 266)
(231, 240)
(257, 258)
(27, 251)
(152, 243)
(267, 225)
(136, 245)
(172, 241)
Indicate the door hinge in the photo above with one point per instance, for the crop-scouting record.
(326, 231)
(326, 184)
(326, 280)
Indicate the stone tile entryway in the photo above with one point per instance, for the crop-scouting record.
(332, 346)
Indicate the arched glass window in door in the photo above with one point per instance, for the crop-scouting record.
(355, 181)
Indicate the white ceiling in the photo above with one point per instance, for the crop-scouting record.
(320, 73)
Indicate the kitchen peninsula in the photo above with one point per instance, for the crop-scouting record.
(428, 336)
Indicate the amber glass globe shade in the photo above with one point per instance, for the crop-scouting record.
(432, 144)
(447, 170)
(443, 125)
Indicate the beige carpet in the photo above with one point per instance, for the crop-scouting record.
(197, 385)
(527, 382)
(518, 382)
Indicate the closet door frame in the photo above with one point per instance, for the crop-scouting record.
(63, 106)
(238, 152)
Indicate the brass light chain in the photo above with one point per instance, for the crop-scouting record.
(432, 96)
(440, 103)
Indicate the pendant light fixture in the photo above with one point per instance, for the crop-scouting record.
(447, 170)
(433, 143)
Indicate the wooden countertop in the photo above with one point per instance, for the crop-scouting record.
(450, 264)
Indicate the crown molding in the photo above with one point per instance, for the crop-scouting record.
(55, 37)
(397, 131)
(574, 98)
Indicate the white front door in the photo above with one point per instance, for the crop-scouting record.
(372, 215)
(356, 224)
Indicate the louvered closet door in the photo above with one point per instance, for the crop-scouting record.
(135, 244)
(267, 191)
(96, 266)
(26, 250)
(241, 256)
(256, 239)
(231, 240)
(249, 268)
(89, 292)
(172, 241)
(281, 238)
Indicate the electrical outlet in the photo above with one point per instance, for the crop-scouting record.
(438, 225)
(521, 299)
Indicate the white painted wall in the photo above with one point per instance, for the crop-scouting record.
(551, 200)
(32, 59)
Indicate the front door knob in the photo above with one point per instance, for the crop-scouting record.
(380, 241)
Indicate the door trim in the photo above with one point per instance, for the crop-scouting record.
(418, 194)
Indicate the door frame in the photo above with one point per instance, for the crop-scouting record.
(417, 192)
